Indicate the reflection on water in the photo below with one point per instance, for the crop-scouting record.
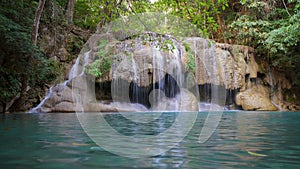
(242, 140)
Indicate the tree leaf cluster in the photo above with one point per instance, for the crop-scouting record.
(16, 20)
(273, 28)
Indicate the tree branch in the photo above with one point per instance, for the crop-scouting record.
(286, 8)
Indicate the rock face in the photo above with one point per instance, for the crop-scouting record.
(256, 98)
(59, 99)
(222, 64)
(149, 61)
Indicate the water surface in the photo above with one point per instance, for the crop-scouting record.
(242, 140)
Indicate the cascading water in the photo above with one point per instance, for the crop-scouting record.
(38, 107)
(148, 69)
(271, 77)
(155, 74)
(76, 70)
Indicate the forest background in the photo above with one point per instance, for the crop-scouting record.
(34, 32)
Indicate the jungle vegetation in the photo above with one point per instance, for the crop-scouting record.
(271, 27)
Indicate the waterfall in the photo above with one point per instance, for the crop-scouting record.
(135, 80)
(151, 72)
(158, 74)
(76, 70)
(39, 106)
(272, 93)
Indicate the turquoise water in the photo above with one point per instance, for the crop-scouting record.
(242, 140)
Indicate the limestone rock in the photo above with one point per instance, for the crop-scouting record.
(114, 107)
(252, 66)
(64, 107)
(184, 101)
(255, 98)
(188, 101)
(222, 64)
(146, 62)
(59, 99)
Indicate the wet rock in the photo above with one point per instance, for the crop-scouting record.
(114, 107)
(64, 107)
(184, 101)
(60, 99)
(256, 98)
(188, 101)
(222, 64)
(136, 60)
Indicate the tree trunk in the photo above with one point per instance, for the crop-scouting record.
(36, 22)
(70, 11)
(19, 104)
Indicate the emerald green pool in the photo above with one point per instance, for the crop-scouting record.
(242, 140)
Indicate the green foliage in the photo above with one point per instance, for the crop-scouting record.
(16, 20)
(15, 47)
(74, 44)
(201, 13)
(103, 63)
(89, 13)
(190, 64)
(273, 31)
(152, 22)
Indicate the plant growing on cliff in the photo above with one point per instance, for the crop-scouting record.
(103, 63)
(190, 64)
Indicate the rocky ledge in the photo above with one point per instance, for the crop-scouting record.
(136, 58)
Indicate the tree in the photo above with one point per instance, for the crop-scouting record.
(273, 29)
(22, 63)
(204, 14)
(70, 11)
(15, 47)
(25, 78)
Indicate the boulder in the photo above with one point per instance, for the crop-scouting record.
(189, 102)
(64, 107)
(184, 101)
(256, 98)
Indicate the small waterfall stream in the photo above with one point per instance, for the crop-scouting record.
(76, 70)
(38, 107)
(271, 77)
